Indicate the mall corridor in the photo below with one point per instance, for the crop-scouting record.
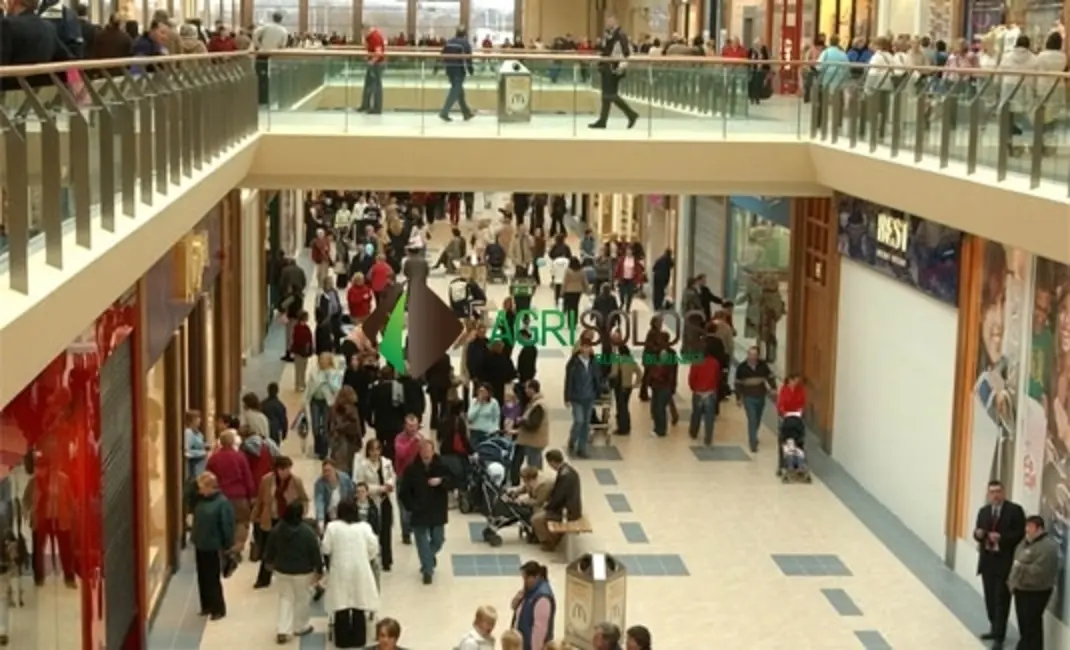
(720, 554)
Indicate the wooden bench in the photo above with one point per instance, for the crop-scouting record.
(570, 530)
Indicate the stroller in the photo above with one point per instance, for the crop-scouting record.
(792, 467)
(495, 257)
(485, 492)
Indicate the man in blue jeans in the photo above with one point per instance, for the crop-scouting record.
(754, 381)
(456, 71)
(371, 100)
(583, 385)
(424, 494)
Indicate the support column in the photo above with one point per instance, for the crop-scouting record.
(302, 15)
(410, 19)
(518, 19)
(233, 265)
(466, 13)
(358, 21)
(197, 363)
(246, 15)
(685, 245)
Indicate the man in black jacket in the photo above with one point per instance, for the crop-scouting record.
(28, 39)
(457, 68)
(424, 493)
(1000, 527)
(614, 46)
(565, 503)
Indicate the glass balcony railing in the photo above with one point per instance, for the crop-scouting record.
(83, 146)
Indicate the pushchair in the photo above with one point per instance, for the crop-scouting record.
(495, 258)
(486, 491)
(795, 468)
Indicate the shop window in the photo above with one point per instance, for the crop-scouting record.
(331, 17)
(492, 18)
(437, 18)
(154, 475)
(389, 16)
(263, 11)
(759, 269)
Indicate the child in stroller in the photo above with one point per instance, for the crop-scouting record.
(791, 454)
(487, 490)
(495, 255)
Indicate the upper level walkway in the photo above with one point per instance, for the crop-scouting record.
(101, 181)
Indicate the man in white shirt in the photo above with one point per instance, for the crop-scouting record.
(266, 38)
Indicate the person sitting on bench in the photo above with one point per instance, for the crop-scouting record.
(565, 502)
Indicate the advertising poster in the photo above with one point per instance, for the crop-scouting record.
(1044, 465)
(910, 249)
(1001, 352)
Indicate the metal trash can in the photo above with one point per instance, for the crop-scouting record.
(596, 591)
(514, 92)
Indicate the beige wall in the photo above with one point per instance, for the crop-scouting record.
(551, 18)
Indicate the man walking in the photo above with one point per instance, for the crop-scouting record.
(212, 536)
(583, 385)
(371, 101)
(457, 55)
(615, 48)
(1000, 527)
(424, 493)
(754, 380)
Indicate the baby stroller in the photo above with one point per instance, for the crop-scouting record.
(495, 257)
(792, 467)
(487, 491)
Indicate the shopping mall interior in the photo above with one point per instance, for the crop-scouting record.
(906, 255)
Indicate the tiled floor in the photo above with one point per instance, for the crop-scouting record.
(732, 558)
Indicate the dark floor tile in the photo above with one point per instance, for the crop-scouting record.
(648, 565)
(618, 503)
(873, 640)
(811, 565)
(484, 565)
(314, 641)
(716, 453)
(604, 476)
(634, 533)
(603, 452)
(841, 601)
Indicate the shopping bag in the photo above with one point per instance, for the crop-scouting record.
(76, 84)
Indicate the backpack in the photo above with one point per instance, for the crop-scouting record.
(458, 292)
(66, 24)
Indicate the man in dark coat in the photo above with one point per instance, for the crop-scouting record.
(1000, 527)
(424, 493)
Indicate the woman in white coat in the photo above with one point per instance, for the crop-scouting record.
(375, 470)
(351, 590)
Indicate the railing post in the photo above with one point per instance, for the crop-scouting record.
(106, 134)
(950, 110)
(51, 174)
(78, 157)
(18, 209)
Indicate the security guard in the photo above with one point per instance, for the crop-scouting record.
(614, 46)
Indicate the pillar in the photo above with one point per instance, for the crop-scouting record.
(358, 21)
(245, 15)
(685, 223)
(518, 19)
(302, 15)
(410, 19)
(466, 13)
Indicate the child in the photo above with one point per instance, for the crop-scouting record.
(794, 456)
(511, 412)
(511, 640)
(480, 637)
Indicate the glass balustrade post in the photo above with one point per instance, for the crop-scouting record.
(18, 190)
(78, 155)
(51, 173)
(949, 116)
(186, 111)
(98, 107)
(173, 99)
(838, 99)
(897, 116)
(156, 98)
(922, 112)
(854, 111)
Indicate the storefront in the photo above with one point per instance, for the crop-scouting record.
(192, 331)
(896, 351)
(758, 274)
(849, 19)
(706, 250)
(612, 215)
(68, 481)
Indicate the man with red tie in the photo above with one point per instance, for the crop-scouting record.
(371, 101)
(1000, 527)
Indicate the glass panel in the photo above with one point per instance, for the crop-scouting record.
(263, 9)
(437, 18)
(761, 266)
(493, 19)
(388, 15)
(154, 476)
(331, 17)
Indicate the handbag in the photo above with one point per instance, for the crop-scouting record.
(228, 563)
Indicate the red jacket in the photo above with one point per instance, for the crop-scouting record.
(704, 377)
(260, 466)
(231, 468)
(220, 44)
(791, 399)
(376, 46)
(637, 270)
(359, 298)
(302, 344)
(379, 276)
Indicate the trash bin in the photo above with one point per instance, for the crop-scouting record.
(514, 92)
(596, 591)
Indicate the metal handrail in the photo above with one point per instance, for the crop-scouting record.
(508, 55)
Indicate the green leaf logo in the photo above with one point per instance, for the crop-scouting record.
(393, 346)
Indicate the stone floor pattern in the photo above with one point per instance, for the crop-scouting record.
(719, 553)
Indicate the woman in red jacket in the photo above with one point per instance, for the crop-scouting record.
(629, 275)
(791, 400)
(379, 276)
(359, 299)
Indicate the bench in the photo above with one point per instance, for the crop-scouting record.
(571, 530)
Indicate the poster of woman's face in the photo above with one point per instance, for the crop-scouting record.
(1049, 391)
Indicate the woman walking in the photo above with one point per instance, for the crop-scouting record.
(352, 546)
(377, 472)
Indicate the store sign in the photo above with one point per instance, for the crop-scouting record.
(910, 249)
(893, 238)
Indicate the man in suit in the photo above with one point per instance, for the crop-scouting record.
(565, 502)
(1000, 527)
